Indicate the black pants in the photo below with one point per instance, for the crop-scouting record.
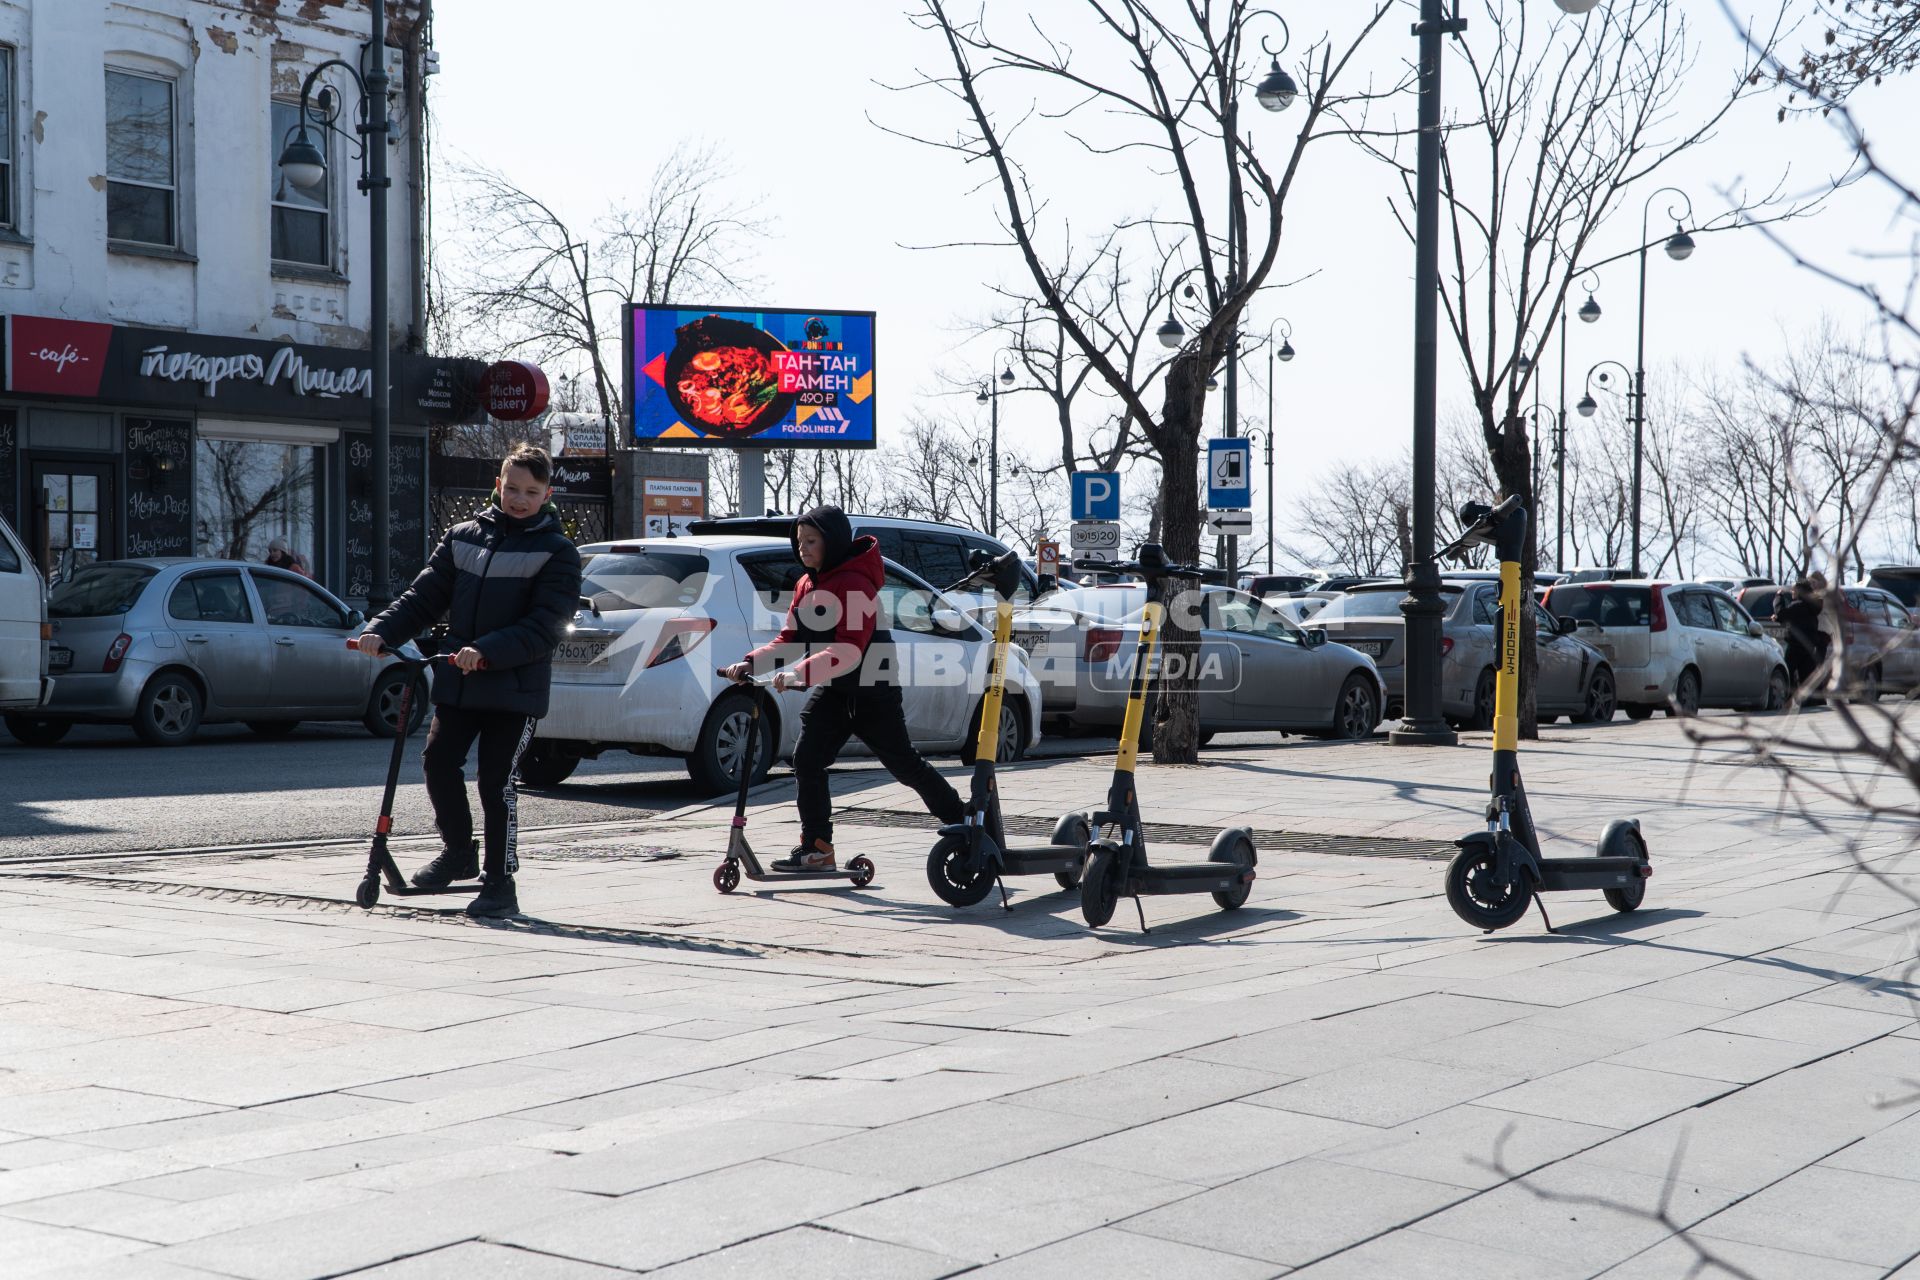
(873, 714)
(503, 736)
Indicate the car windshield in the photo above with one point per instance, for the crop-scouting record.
(1607, 606)
(99, 591)
(1901, 587)
(1379, 602)
(643, 579)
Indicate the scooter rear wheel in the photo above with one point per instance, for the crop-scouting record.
(1099, 888)
(368, 893)
(1476, 894)
(862, 870)
(726, 876)
(1074, 831)
(957, 883)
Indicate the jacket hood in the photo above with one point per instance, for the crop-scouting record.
(833, 525)
(863, 563)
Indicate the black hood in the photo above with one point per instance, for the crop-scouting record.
(834, 526)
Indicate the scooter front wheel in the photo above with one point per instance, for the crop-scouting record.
(1478, 895)
(862, 871)
(955, 877)
(368, 893)
(726, 876)
(1235, 849)
(1074, 831)
(1099, 888)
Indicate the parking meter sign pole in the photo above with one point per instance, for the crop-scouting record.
(1095, 495)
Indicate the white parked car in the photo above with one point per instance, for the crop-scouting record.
(1676, 646)
(24, 682)
(636, 671)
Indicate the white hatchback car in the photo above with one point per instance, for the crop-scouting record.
(24, 682)
(636, 671)
(1676, 646)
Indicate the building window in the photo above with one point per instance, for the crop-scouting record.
(141, 186)
(302, 217)
(7, 217)
(249, 492)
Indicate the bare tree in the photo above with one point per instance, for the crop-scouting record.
(1154, 91)
(541, 285)
(1564, 120)
(1359, 519)
(1861, 44)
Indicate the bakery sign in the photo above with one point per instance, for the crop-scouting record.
(158, 367)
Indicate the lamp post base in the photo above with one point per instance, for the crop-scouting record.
(1423, 726)
(1411, 735)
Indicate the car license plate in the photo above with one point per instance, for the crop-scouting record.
(1372, 648)
(59, 659)
(580, 653)
(1029, 640)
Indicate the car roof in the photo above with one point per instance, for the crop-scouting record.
(716, 524)
(693, 542)
(171, 562)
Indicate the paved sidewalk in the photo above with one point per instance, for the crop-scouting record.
(217, 1066)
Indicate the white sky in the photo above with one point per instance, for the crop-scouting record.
(580, 105)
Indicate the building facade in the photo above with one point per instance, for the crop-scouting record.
(187, 332)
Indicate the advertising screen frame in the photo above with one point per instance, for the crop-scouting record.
(629, 341)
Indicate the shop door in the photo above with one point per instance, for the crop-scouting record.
(71, 522)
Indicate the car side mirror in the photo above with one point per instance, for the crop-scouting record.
(1565, 626)
(355, 618)
(1314, 637)
(1755, 630)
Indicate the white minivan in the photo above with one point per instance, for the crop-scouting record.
(23, 628)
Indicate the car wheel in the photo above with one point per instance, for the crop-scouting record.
(37, 731)
(168, 714)
(382, 716)
(1778, 689)
(1356, 712)
(1639, 711)
(271, 729)
(1686, 695)
(720, 752)
(543, 765)
(1868, 689)
(1599, 704)
(1013, 733)
(1483, 691)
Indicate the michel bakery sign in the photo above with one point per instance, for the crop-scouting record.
(81, 359)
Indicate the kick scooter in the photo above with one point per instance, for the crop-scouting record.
(1117, 861)
(973, 855)
(740, 855)
(1499, 871)
(380, 863)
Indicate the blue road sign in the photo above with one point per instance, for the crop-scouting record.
(1229, 474)
(1096, 495)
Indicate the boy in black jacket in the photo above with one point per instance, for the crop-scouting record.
(507, 581)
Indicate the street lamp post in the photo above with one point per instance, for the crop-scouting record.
(1423, 725)
(1589, 313)
(1679, 247)
(306, 166)
(990, 395)
(1283, 353)
(1588, 406)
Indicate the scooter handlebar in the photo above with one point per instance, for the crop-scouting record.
(417, 664)
(1001, 572)
(1150, 562)
(1479, 520)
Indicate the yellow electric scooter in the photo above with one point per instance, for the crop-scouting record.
(1117, 861)
(1499, 871)
(973, 855)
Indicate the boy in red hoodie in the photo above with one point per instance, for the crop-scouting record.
(835, 615)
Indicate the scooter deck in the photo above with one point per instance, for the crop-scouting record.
(1196, 877)
(1560, 875)
(1040, 859)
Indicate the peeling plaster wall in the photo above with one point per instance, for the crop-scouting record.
(229, 60)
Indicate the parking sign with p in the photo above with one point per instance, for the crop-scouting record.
(1096, 495)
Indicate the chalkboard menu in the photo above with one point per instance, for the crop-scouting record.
(406, 511)
(10, 466)
(159, 487)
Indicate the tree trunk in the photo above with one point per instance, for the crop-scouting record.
(1176, 727)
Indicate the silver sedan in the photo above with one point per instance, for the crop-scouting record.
(1254, 669)
(167, 645)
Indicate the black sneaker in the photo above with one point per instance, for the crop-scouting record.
(496, 899)
(815, 857)
(452, 864)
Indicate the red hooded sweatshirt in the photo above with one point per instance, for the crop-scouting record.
(835, 612)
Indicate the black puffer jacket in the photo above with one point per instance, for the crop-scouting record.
(507, 587)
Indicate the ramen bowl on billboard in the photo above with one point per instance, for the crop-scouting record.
(773, 378)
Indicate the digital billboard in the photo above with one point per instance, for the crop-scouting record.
(770, 378)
